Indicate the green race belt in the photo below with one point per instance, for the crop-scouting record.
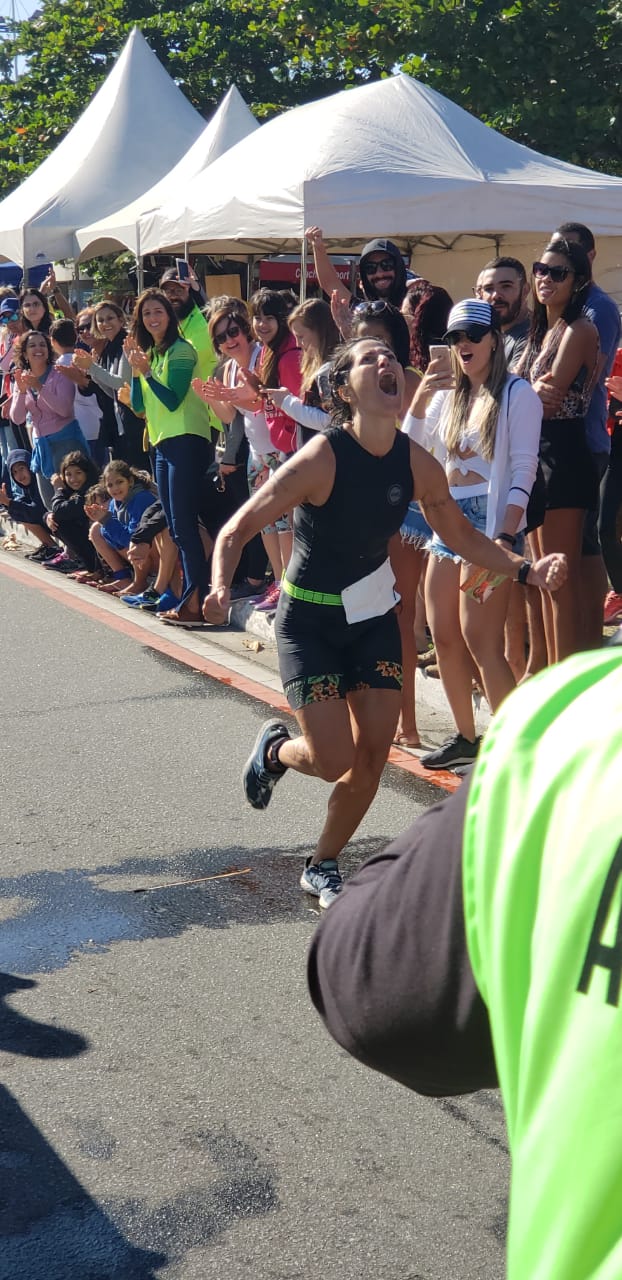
(311, 597)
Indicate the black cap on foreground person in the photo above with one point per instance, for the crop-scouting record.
(395, 292)
(495, 923)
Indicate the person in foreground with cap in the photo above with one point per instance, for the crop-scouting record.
(337, 631)
(485, 945)
(484, 425)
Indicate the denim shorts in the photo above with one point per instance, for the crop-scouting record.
(415, 531)
(476, 511)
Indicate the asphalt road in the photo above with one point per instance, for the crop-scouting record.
(170, 1104)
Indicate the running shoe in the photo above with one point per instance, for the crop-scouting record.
(269, 602)
(58, 559)
(323, 880)
(257, 779)
(168, 600)
(613, 608)
(146, 597)
(67, 565)
(42, 554)
(456, 750)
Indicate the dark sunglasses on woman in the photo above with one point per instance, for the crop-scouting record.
(542, 269)
(232, 330)
(473, 333)
(84, 328)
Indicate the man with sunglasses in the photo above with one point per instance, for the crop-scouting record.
(183, 296)
(381, 268)
(604, 314)
(503, 283)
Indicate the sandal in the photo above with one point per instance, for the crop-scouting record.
(115, 585)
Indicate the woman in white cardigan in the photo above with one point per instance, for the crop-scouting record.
(483, 424)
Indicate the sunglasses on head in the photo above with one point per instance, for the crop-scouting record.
(542, 269)
(383, 264)
(371, 308)
(232, 330)
(473, 333)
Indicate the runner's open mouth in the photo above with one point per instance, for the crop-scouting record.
(388, 383)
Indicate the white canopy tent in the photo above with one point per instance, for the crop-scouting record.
(230, 123)
(393, 158)
(113, 152)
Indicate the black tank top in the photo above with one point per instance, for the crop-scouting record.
(347, 537)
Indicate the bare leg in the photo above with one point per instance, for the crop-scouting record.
(347, 744)
(112, 558)
(562, 531)
(41, 534)
(286, 542)
(455, 662)
(516, 632)
(483, 629)
(407, 562)
(272, 544)
(593, 589)
(168, 564)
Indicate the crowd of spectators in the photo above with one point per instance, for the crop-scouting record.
(127, 443)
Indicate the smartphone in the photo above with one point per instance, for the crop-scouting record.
(441, 352)
(182, 268)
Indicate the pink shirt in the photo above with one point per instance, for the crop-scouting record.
(50, 409)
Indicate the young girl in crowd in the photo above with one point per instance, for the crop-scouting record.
(20, 496)
(129, 493)
(484, 425)
(67, 520)
(63, 336)
(108, 367)
(44, 398)
(317, 336)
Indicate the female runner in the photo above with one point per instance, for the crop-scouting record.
(336, 625)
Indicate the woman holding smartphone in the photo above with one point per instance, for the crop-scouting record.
(483, 424)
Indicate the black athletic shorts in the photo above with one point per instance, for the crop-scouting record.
(321, 656)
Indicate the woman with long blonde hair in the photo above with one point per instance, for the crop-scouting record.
(484, 426)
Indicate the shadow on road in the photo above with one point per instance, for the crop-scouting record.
(71, 912)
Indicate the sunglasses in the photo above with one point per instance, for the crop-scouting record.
(383, 264)
(541, 270)
(473, 333)
(9, 319)
(84, 328)
(371, 308)
(232, 330)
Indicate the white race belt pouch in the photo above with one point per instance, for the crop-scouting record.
(371, 597)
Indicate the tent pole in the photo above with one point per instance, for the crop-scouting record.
(303, 268)
(140, 271)
(76, 281)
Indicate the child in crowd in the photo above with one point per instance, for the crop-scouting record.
(317, 336)
(63, 336)
(67, 520)
(19, 494)
(116, 512)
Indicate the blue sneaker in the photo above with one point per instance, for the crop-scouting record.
(168, 600)
(257, 779)
(323, 880)
(134, 602)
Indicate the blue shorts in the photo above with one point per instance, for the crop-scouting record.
(415, 531)
(116, 535)
(476, 511)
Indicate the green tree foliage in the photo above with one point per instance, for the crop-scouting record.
(545, 72)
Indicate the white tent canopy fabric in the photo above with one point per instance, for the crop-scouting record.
(113, 152)
(230, 123)
(393, 158)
